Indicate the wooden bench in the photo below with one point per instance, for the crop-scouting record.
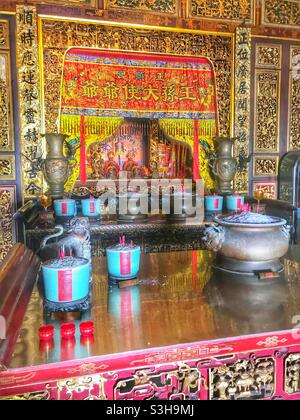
(18, 276)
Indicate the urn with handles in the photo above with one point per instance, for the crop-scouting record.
(56, 167)
(223, 165)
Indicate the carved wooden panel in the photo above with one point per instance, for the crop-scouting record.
(268, 56)
(59, 35)
(4, 34)
(265, 166)
(281, 12)
(7, 226)
(7, 167)
(267, 111)
(163, 6)
(233, 10)
(292, 372)
(268, 188)
(6, 115)
(243, 380)
(294, 100)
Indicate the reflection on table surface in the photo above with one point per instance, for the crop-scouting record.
(179, 299)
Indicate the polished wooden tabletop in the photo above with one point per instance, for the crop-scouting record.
(179, 299)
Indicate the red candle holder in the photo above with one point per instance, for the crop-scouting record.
(87, 328)
(67, 331)
(46, 332)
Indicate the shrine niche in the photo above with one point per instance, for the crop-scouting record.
(151, 116)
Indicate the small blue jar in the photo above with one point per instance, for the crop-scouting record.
(235, 202)
(214, 203)
(66, 280)
(65, 208)
(123, 261)
(91, 207)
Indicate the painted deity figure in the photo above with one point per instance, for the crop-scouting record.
(130, 163)
(111, 169)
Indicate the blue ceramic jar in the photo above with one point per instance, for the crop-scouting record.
(65, 208)
(91, 207)
(235, 202)
(213, 203)
(66, 280)
(123, 262)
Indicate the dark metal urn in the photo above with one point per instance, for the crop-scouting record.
(56, 166)
(223, 165)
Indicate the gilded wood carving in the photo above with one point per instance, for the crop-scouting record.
(281, 12)
(265, 166)
(267, 111)
(233, 10)
(6, 117)
(7, 227)
(164, 6)
(7, 167)
(294, 100)
(60, 35)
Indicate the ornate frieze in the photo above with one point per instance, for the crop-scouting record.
(7, 226)
(242, 103)
(281, 12)
(4, 34)
(294, 99)
(267, 111)
(268, 188)
(243, 380)
(59, 35)
(6, 118)
(265, 166)
(268, 56)
(292, 373)
(29, 102)
(156, 6)
(7, 167)
(233, 10)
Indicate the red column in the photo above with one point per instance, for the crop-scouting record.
(82, 152)
(196, 169)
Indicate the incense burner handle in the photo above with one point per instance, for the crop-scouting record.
(214, 237)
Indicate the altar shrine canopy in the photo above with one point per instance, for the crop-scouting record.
(105, 94)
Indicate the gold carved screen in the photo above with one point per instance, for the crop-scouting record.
(59, 35)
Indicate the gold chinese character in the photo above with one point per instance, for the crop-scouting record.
(90, 90)
(111, 91)
(186, 93)
(151, 93)
(131, 92)
(170, 93)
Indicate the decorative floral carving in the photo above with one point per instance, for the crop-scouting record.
(281, 12)
(292, 374)
(235, 10)
(7, 227)
(268, 55)
(244, 380)
(265, 166)
(6, 127)
(268, 188)
(267, 111)
(294, 108)
(7, 167)
(4, 34)
(160, 6)
(59, 35)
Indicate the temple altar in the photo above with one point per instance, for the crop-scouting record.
(149, 201)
